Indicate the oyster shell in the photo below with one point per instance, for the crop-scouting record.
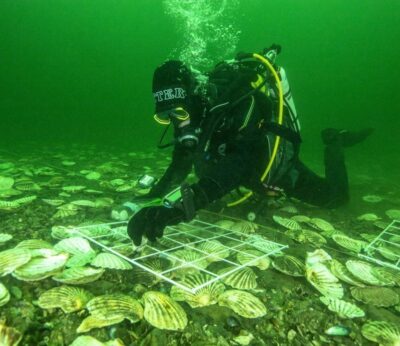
(205, 296)
(68, 298)
(342, 308)
(243, 303)
(215, 249)
(324, 281)
(162, 312)
(243, 278)
(349, 243)
(4, 295)
(9, 336)
(377, 296)
(289, 265)
(381, 332)
(79, 275)
(254, 258)
(40, 268)
(110, 309)
(110, 261)
(12, 259)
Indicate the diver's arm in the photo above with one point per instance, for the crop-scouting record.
(180, 167)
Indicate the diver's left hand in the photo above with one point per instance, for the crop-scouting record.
(151, 221)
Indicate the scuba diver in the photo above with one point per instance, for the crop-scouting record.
(237, 126)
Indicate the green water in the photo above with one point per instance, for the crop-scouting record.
(81, 70)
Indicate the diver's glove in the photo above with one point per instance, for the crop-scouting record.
(151, 222)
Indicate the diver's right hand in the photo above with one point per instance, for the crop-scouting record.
(151, 221)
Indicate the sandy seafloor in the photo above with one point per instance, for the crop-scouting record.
(295, 315)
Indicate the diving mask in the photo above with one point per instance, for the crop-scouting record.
(177, 114)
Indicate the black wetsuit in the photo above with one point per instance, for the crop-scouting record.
(239, 151)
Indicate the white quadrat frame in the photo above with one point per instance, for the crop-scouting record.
(191, 230)
(389, 236)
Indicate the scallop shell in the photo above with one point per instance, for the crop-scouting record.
(110, 261)
(254, 258)
(324, 281)
(215, 249)
(6, 182)
(314, 238)
(4, 295)
(341, 272)
(289, 265)
(243, 303)
(291, 209)
(349, 243)
(364, 272)
(389, 251)
(227, 224)
(368, 217)
(9, 336)
(74, 246)
(377, 296)
(61, 232)
(342, 308)
(40, 268)
(204, 296)
(80, 260)
(53, 202)
(65, 210)
(187, 261)
(300, 218)
(157, 265)
(243, 278)
(264, 245)
(95, 230)
(86, 340)
(79, 275)
(162, 312)
(68, 298)
(393, 214)
(5, 237)
(388, 275)
(287, 223)
(84, 203)
(245, 227)
(381, 332)
(321, 224)
(110, 309)
(12, 259)
(37, 247)
(317, 256)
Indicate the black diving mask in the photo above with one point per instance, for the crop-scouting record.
(185, 133)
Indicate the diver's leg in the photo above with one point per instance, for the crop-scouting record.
(333, 190)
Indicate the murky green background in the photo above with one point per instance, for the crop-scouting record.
(80, 70)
